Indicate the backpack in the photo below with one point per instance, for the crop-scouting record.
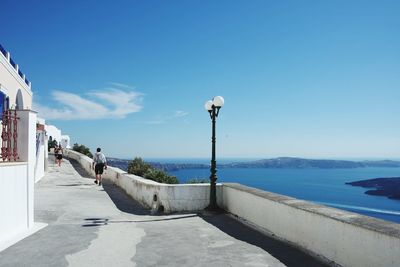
(99, 159)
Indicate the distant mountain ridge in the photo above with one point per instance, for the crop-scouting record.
(301, 163)
(273, 163)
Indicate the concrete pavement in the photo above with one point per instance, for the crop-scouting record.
(90, 225)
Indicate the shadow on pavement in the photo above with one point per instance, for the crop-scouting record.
(284, 252)
(73, 184)
(90, 222)
(123, 201)
(82, 172)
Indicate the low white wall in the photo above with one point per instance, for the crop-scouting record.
(346, 238)
(172, 198)
(13, 199)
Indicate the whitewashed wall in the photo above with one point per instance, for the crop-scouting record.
(11, 82)
(13, 199)
(170, 198)
(17, 182)
(346, 238)
(27, 153)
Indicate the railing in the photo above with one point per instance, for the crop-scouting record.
(14, 65)
(20, 73)
(9, 136)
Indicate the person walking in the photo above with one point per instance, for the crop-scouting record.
(99, 164)
(58, 151)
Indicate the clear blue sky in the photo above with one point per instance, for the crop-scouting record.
(300, 78)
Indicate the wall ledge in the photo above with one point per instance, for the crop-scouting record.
(12, 163)
(373, 224)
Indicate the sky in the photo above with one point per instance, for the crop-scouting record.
(314, 79)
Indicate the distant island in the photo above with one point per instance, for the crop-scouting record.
(300, 163)
(274, 163)
(389, 187)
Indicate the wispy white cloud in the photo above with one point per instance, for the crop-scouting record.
(124, 102)
(121, 85)
(180, 113)
(111, 103)
(164, 119)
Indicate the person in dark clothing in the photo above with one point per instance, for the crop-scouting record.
(58, 151)
(99, 164)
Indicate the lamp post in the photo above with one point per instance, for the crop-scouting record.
(213, 106)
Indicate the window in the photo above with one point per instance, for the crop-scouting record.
(2, 103)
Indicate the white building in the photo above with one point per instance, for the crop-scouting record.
(53, 133)
(65, 141)
(19, 154)
(13, 84)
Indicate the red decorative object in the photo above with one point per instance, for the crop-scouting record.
(9, 136)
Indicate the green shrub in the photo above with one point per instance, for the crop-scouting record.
(160, 177)
(82, 149)
(140, 168)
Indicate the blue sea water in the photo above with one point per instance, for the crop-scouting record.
(323, 186)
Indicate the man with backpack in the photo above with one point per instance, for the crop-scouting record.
(99, 164)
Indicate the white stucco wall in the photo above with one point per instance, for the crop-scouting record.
(346, 238)
(17, 182)
(13, 199)
(173, 198)
(27, 153)
(10, 82)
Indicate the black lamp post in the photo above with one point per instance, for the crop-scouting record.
(213, 107)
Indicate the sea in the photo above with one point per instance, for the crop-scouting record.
(321, 186)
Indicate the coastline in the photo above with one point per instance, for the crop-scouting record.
(388, 187)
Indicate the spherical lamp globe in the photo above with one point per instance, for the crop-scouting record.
(208, 105)
(218, 101)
